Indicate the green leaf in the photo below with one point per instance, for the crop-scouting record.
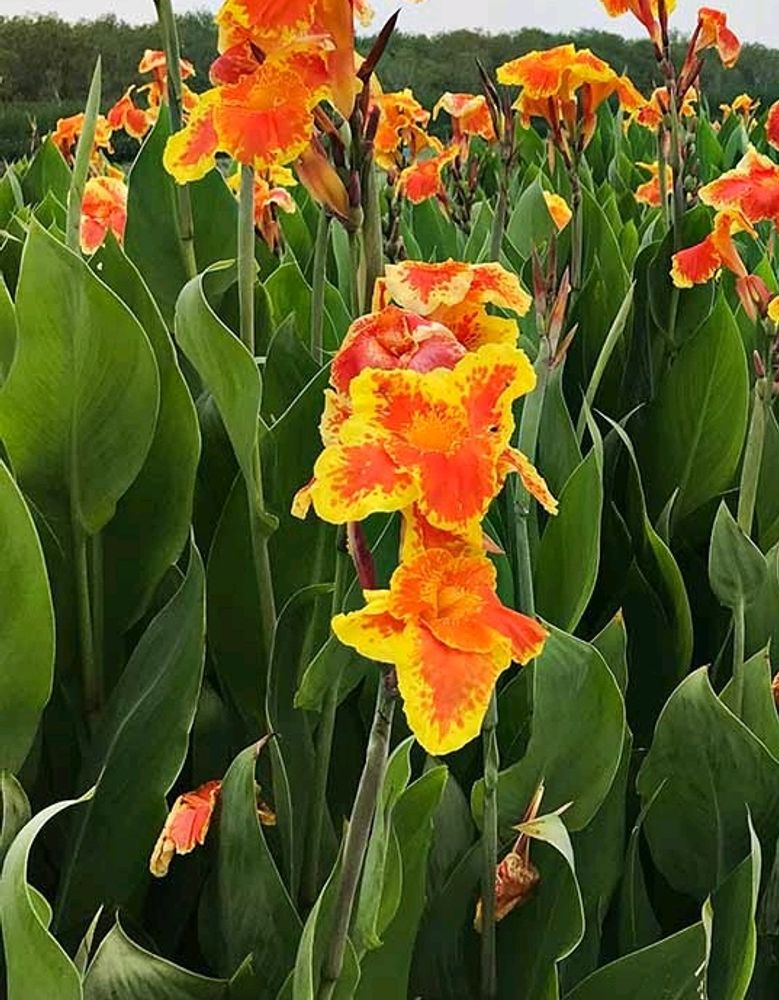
(695, 427)
(749, 696)
(79, 408)
(26, 633)
(673, 968)
(558, 450)
(612, 644)
(576, 737)
(8, 332)
(289, 368)
(550, 924)
(37, 967)
(246, 908)
(138, 752)
(767, 505)
(737, 568)
(152, 519)
(385, 971)
(15, 811)
(730, 914)
(227, 369)
(530, 224)
(638, 926)
(122, 970)
(47, 172)
(568, 557)
(711, 767)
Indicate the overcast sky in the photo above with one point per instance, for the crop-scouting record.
(753, 20)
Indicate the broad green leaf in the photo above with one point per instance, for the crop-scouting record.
(137, 755)
(435, 233)
(530, 224)
(737, 567)
(385, 971)
(612, 644)
(673, 968)
(289, 367)
(37, 967)
(79, 408)
(695, 427)
(152, 519)
(558, 450)
(246, 908)
(576, 736)
(122, 970)
(730, 915)
(26, 631)
(8, 332)
(762, 622)
(47, 172)
(233, 607)
(550, 924)
(749, 696)
(638, 926)
(11, 196)
(226, 367)
(711, 768)
(767, 505)
(15, 811)
(567, 563)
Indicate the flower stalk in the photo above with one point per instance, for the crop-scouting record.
(319, 282)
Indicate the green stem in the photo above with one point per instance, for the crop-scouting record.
(676, 168)
(662, 177)
(91, 674)
(373, 243)
(78, 178)
(356, 258)
(500, 218)
(489, 839)
(324, 747)
(318, 285)
(577, 230)
(175, 88)
(529, 428)
(246, 263)
(357, 836)
(753, 456)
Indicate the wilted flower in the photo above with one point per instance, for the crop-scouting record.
(186, 826)
(443, 627)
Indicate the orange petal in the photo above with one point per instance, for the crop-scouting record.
(103, 208)
(422, 287)
(424, 178)
(474, 327)
(696, 265)
(418, 535)
(772, 125)
(494, 284)
(186, 826)
(513, 460)
(191, 153)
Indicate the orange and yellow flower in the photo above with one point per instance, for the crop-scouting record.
(67, 132)
(440, 440)
(700, 263)
(751, 188)
(424, 178)
(400, 131)
(126, 114)
(649, 193)
(270, 195)
(713, 32)
(186, 826)
(470, 116)
(153, 62)
(559, 209)
(443, 627)
(103, 209)
(646, 11)
(772, 125)
(652, 113)
(744, 106)
(456, 295)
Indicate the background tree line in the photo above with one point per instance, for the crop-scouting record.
(45, 65)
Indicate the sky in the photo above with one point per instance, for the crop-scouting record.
(752, 20)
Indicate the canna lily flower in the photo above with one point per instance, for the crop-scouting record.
(744, 106)
(646, 11)
(652, 113)
(649, 192)
(456, 295)
(423, 179)
(103, 209)
(751, 188)
(566, 87)
(270, 195)
(186, 826)
(153, 62)
(439, 439)
(713, 32)
(125, 114)
(393, 338)
(700, 263)
(772, 125)
(470, 116)
(559, 209)
(321, 179)
(67, 131)
(443, 627)
(401, 125)
(773, 314)
(263, 120)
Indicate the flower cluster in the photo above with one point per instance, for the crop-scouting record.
(419, 420)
